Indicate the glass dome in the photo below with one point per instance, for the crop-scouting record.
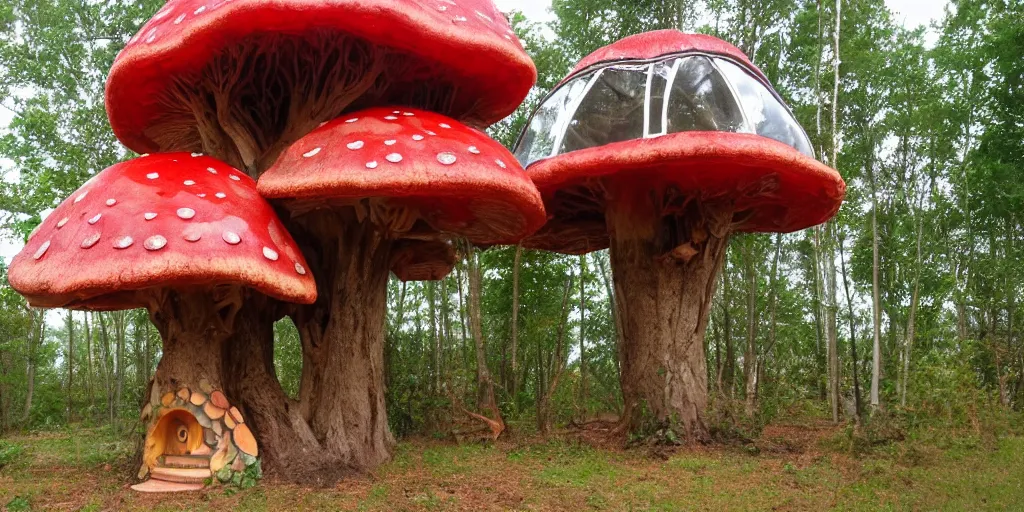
(625, 101)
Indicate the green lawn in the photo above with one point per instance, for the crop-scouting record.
(86, 471)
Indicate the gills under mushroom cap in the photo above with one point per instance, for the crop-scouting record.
(452, 177)
(698, 122)
(165, 221)
(463, 54)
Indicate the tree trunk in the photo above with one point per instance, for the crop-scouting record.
(88, 359)
(485, 387)
(288, 448)
(68, 406)
(728, 367)
(663, 305)
(514, 342)
(912, 317)
(876, 358)
(342, 390)
(583, 348)
(615, 311)
(544, 404)
(105, 368)
(858, 406)
(750, 356)
(34, 340)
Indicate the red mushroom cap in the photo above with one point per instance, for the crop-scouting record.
(460, 180)
(172, 220)
(658, 43)
(469, 41)
(778, 188)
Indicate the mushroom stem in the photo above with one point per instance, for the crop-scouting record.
(342, 387)
(193, 334)
(663, 304)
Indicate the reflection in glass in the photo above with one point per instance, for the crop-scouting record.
(765, 112)
(633, 101)
(612, 111)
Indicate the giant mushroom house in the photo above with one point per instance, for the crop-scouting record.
(659, 147)
(186, 237)
(243, 81)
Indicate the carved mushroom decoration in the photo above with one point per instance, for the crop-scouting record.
(659, 147)
(188, 238)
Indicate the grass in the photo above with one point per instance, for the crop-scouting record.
(85, 470)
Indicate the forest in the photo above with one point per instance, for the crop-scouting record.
(893, 329)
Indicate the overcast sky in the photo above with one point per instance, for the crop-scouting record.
(911, 13)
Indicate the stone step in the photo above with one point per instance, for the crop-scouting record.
(186, 461)
(181, 475)
(165, 486)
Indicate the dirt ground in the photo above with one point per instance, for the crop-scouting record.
(790, 467)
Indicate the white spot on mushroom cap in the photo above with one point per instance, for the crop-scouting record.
(270, 254)
(124, 242)
(41, 250)
(460, 18)
(155, 243)
(95, 219)
(371, 164)
(81, 196)
(153, 175)
(196, 155)
(354, 145)
(231, 237)
(62, 222)
(408, 114)
(299, 269)
(220, 195)
(186, 213)
(311, 153)
(149, 216)
(390, 142)
(179, 19)
(394, 158)
(189, 183)
(211, 170)
(391, 118)
(90, 241)
(474, 150)
(446, 158)
(418, 137)
(500, 164)
(354, 119)
(445, 125)
(199, 10)
(235, 178)
(111, 202)
(428, 132)
(193, 235)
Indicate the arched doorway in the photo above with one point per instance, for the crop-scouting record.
(176, 433)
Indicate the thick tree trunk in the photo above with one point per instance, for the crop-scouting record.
(193, 333)
(342, 388)
(664, 266)
(288, 448)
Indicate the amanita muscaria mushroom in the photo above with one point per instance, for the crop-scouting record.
(369, 185)
(242, 79)
(660, 146)
(184, 236)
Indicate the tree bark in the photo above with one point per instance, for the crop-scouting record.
(663, 305)
(485, 387)
(750, 356)
(34, 340)
(544, 404)
(342, 392)
(858, 406)
(514, 342)
(876, 358)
